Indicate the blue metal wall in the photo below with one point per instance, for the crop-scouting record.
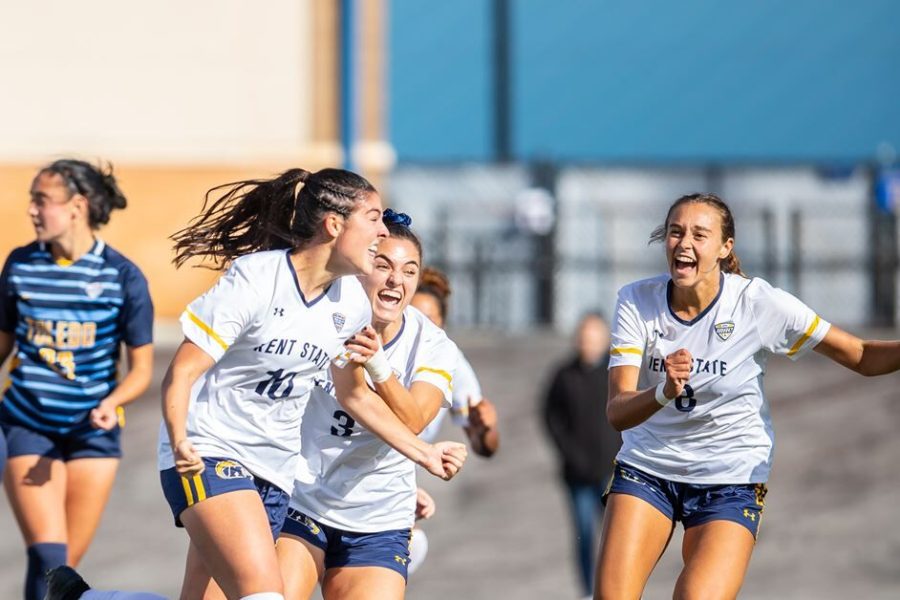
(661, 81)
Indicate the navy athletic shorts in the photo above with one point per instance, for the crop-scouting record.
(93, 443)
(222, 475)
(388, 549)
(693, 504)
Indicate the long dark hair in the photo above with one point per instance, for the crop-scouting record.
(96, 184)
(267, 214)
(729, 264)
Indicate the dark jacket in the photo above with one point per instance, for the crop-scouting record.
(575, 413)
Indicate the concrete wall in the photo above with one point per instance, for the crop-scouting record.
(179, 96)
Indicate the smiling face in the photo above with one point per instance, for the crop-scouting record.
(53, 209)
(392, 284)
(357, 242)
(695, 244)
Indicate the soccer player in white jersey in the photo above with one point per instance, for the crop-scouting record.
(469, 409)
(354, 497)
(689, 350)
(234, 394)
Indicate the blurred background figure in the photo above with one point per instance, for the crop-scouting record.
(574, 408)
(470, 409)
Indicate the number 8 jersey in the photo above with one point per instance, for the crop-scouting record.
(269, 343)
(719, 430)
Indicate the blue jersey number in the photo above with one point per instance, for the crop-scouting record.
(686, 401)
(272, 386)
(345, 422)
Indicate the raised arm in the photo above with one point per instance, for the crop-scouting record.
(442, 459)
(482, 428)
(866, 357)
(628, 406)
(417, 406)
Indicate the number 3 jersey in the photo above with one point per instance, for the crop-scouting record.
(349, 478)
(719, 430)
(269, 343)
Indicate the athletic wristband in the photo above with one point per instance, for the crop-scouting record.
(660, 395)
(378, 367)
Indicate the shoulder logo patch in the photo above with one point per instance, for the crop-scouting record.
(338, 319)
(724, 330)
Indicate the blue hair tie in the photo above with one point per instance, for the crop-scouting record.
(394, 218)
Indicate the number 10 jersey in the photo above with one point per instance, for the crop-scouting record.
(269, 343)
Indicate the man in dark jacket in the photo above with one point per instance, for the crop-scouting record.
(575, 414)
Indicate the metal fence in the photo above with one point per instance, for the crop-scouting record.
(507, 275)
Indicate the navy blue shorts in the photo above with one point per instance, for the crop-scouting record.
(388, 549)
(2, 452)
(222, 475)
(693, 504)
(93, 443)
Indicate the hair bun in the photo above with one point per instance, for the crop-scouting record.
(435, 281)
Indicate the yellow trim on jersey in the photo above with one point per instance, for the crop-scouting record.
(64, 262)
(440, 372)
(198, 485)
(812, 328)
(187, 490)
(626, 350)
(206, 328)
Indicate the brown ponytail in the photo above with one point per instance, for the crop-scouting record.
(267, 214)
(434, 283)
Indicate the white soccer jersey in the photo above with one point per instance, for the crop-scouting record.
(269, 344)
(466, 389)
(349, 478)
(719, 430)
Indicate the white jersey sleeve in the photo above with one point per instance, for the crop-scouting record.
(466, 391)
(786, 325)
(628, 339)
(437, 363)
(218, 317)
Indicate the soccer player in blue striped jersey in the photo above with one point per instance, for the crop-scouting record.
(67, 303)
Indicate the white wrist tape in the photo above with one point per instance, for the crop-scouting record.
(378, 367)
(660, 395)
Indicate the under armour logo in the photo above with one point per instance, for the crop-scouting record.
(750, 515)
(279, 312)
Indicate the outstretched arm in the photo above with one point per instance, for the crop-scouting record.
(866, 357)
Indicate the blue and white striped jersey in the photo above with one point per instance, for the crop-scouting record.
(68, 322)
